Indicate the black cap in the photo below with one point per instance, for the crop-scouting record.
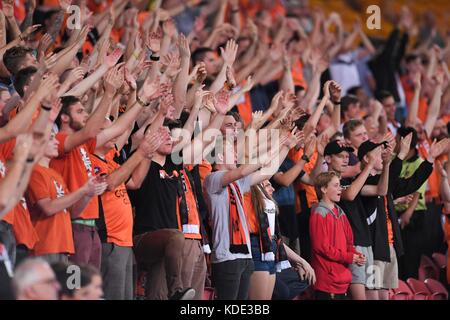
(368, 146)
(333, 147)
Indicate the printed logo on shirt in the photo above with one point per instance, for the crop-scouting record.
(59, 190)
(164, 175)
(86, 161)
(23, 202)
(2, 169)
(121, 193)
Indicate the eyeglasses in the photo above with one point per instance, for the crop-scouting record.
(50, 281)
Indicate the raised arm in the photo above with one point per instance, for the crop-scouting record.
(21, 122)
(414, 107)
(181, 81)
(435, 106)
(90, 81)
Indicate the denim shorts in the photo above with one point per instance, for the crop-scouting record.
(269, 266)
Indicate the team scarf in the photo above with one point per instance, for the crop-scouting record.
(238, 243)
(188, 216)
(265, 241)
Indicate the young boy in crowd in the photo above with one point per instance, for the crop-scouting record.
(331, 241)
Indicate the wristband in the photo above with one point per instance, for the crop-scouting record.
(154, 58)
(30, 160)
(46, 108)
(235, 10)
(336, 102)
(305, 157)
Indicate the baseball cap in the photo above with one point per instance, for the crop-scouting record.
(333, 147)
(368, 146)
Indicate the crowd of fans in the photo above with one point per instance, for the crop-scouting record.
(155, 148)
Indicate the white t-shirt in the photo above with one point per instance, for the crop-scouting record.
(271, 211)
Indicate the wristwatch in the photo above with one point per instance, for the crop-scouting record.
(142, 103)
(305, 157)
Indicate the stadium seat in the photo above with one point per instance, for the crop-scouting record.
(440, 260)
(428, 269)
(403, 292)
(438, 291)
(208, 293)
(419, 289)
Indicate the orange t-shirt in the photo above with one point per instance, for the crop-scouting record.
(55, 231)
(245, 109)
(409, 95)
(250, 213)
(310, 191)
(6, 153)
(24, 231)
(75, 167)
(434, 180)
(19, 217)
(13, 113)
(116, 205)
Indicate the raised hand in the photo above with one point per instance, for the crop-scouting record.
(151, 143)
(169, 28)
(322, 143)
(438, 148)
(200, 94)
(114, 79)
(56, 108)
(183, 46)
(49, 86)
(405, 146)
(151, 89)
(8, 8)
(45, 43)
(335, 91)
(154, 41)
(229, 53)
(374, 155)
(256, 119)
(310, 145)
(114, 57)
(130, 79)
(64, 4)
(29, 30)
(222, 98)
(95, 186)
(248, 85)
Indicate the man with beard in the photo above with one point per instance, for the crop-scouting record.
(78, 138)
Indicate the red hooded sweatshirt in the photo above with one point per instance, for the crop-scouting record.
(332, 248)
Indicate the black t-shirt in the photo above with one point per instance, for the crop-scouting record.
(357, 216)
(156, 200)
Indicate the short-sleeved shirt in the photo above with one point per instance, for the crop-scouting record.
(285, 196)
(75, 167)
(156, 201)
(55, 231)
(19, 217)
(357, 216)
(408, 169)
(118, 214)
(218, 201)
(6, 153)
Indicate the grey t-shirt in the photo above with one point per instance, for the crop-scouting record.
(218, 201)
